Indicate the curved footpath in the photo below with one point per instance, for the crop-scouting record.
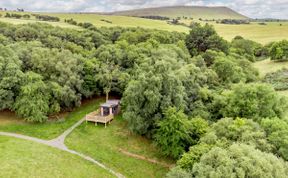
(58, 143)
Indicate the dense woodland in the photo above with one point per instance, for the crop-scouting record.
(196, 96)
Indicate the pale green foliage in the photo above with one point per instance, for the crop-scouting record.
(177, 172)
(254, 101)
(239, 160)
(10, 77)
(226, 131)
(246, 48)
(232, 70)
(277, 131)
(155, 88)
(194, 154)
(33, 101)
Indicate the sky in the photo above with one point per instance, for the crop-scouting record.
(250, 8)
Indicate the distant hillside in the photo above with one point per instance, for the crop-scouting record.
(195, 12)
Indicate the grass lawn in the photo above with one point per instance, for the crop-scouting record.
(23, 159)
(103, 144)
(267, 66)
(10, 123)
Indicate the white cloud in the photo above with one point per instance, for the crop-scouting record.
(251, 8)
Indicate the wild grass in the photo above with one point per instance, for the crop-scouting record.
(268, 66)
(53, 128)
(27, 159)
(25, 21)
(104, 144)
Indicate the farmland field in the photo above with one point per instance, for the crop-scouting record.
(260, 33)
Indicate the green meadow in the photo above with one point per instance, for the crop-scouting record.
(260, 33)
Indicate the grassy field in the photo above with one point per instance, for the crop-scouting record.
(97, 20)
(195, 12)
(104, 144)
(10, 123)
(260, 33)
(28, 159)
(268, 66)
(23, 21)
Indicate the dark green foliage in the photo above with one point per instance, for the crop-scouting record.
(254, 101)
(278, 79)
(279, 51)
(46, 18)
(202, 38)
(173, 134)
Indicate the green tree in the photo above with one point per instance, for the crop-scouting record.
(10, 77)
(32, 103)
(239, 160)
(277, 131)
(227, 131)
(254, 101)
(202, 38)
(173, 134)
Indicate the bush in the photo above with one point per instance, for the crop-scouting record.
(193, 156)
(247, 48)
(227, 131)
(239, 160)
(254, 101)
(232, 70)
(278, 79)
(279, 51)
(173, 134)
(277, 131)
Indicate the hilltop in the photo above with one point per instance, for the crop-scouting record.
(195, 12)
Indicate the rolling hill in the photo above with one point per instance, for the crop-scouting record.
(195, 12)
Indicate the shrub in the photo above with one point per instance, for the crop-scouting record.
(278, 79)
(239, 160)
(173, 134)
(254, 101)
(277, 131)
(279, 51)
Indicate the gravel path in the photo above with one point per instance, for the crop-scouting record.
(59, 144)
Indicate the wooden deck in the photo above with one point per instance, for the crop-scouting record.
(97, 118)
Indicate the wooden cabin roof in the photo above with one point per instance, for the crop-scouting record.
(110, 103)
